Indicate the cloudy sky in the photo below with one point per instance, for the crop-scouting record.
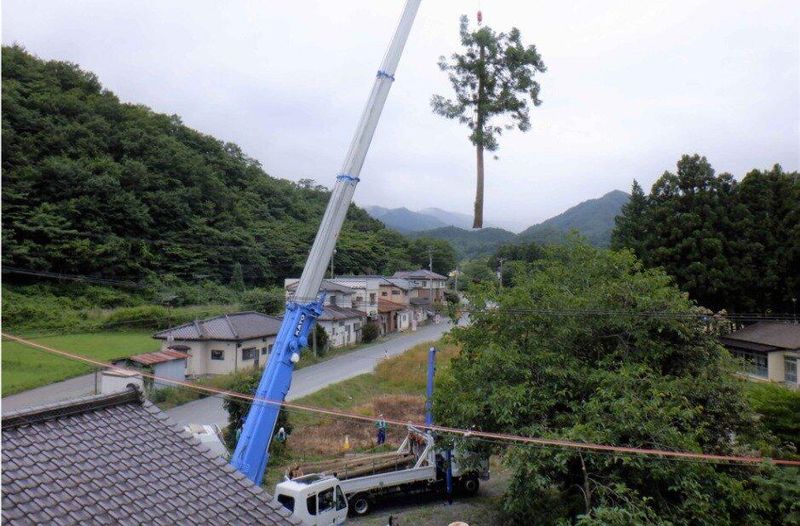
(630, 87)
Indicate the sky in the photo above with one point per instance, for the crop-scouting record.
(629, 88)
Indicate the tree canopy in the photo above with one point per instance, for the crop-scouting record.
(572, 351)
(97, 187)
(732, 245)
(494, 76)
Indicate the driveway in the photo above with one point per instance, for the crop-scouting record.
(313, 378)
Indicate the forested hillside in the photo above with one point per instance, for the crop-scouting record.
(470, 243)
(729, 244)
(593, 219)
(94, 186)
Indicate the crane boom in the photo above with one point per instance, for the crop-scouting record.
(303, 309)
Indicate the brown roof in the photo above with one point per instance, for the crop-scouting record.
(389, 306)
(117, 459)
(766, 336)
(150, 358)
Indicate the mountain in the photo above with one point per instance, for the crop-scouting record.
(404, 220)
(470, 243)
(593, 219)
(96, 187)
(450, 218)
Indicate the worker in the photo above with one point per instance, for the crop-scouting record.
(380, 425)
(281, 435)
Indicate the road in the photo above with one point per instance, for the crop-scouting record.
(313, 378)
(209, 410)
(67, 390)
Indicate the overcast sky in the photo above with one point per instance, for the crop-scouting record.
(630, 87)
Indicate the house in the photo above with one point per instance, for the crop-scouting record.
(426, 284)
(340, 319)
(117, 459)
(366, 292)
(394, 317)
(168, 363)
(771, 350)
(223, 344)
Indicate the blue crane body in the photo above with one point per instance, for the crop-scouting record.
(303, 309)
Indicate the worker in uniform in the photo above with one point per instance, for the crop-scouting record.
(380, 425)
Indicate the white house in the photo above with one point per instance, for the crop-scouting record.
(770, 350)
(339, 318)
(223, 344)
(366, 291)
(426, 284)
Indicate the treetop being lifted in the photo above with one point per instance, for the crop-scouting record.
(494, 77)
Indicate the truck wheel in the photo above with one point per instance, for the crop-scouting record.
(360, 504)
(470, 485)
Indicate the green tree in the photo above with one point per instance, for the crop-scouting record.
(237, 278)
(442, 252)
(627, 378)
(476, 271)
(493, 77)
(630, 226)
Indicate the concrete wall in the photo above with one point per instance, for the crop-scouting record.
(114, 382)
(175, 369)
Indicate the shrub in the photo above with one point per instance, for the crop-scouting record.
(268, 301)
(370, 332)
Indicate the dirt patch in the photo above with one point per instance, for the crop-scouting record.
(326, 438)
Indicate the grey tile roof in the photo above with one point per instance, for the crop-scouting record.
(114, 459)
(327, 285)
(232, 327)
(418, 274)
(332, 312)
(774, 335)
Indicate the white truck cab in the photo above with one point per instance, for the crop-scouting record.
(315, 500)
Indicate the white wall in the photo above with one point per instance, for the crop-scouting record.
(201, 364)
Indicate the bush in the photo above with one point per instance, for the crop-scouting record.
(779, 408)
(268, 301)
(370, 332)
(322, 341)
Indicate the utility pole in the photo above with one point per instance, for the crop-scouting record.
(430, 267)
(500, 274)
(332, 254)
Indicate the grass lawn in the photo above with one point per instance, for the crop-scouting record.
(25, 367)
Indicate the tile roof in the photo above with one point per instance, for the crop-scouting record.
(327, 286)
(400, 283)
(389, 306)
(418, 274)
(115, 459)
(232, 327)
(150, 358)
(770, 335)
(333, 312)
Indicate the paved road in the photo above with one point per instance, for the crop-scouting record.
(313, 378)
(57, 392)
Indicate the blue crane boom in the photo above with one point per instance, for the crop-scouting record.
(303, 309)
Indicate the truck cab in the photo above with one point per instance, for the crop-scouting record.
(315, 500)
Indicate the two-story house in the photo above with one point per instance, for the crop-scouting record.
(340, 319)
(425, 284)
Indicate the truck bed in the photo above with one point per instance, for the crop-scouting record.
(361, 465)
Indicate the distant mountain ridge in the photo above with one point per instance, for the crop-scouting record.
(593, 219)
(407, 221)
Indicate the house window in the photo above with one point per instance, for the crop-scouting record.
(790, 370)
(332, 299)
(756, 362)
(372, 298)
(357, 326)
(384, 293)
(395, 292)
(217, 355)
(249, 353)
(263, 351)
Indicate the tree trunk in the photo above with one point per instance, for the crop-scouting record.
(478, 222)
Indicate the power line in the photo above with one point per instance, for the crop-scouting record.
(466, 433)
